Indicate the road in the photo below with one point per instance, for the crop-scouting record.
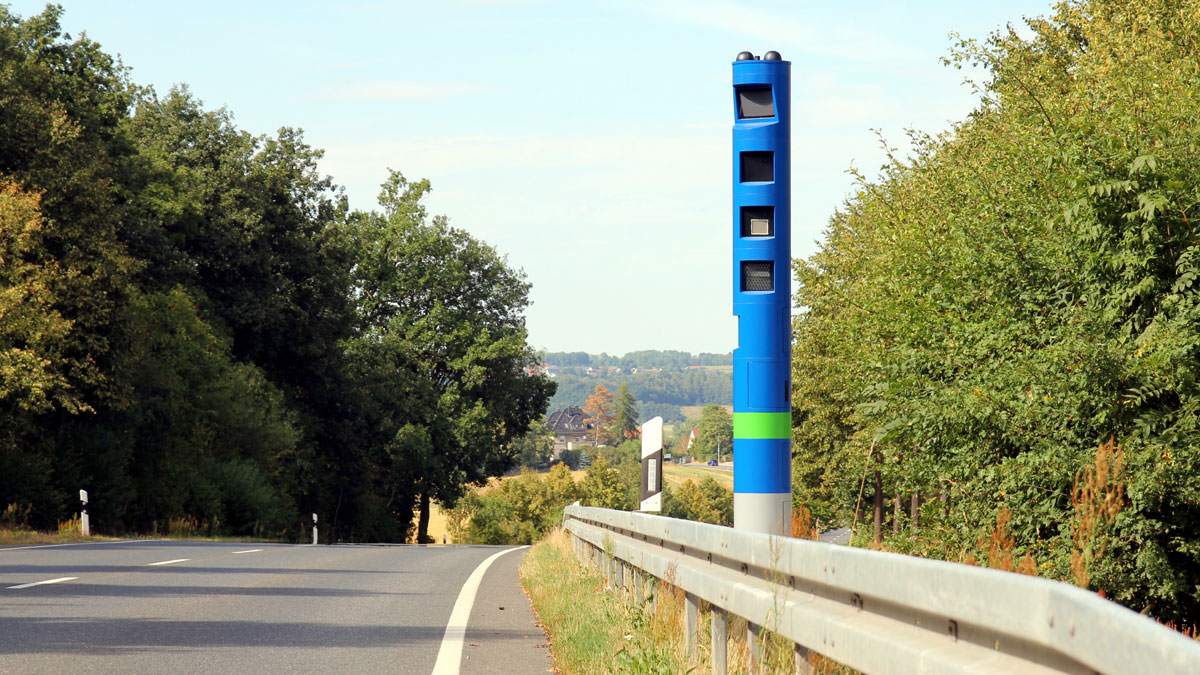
(168, 606)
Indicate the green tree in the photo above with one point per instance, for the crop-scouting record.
(562, 486)
(517, 511)
(707, 501)
(625, 416)
(573, 459)
(992, 308)
(31, 369)
(256, 236)
(63, 264)
(536, 448)
(450, 311)
(603, 486)
(715, 433)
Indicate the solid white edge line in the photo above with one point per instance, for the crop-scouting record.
(42, 583)
(253, 550)
(449, 658)
(168, 562)
(76, 543)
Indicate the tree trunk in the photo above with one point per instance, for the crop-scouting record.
(878, 507)
(914, 510)
(423, 521)
(897, 511)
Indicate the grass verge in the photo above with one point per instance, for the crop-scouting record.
(594, 628)
(32, 538)
(598, 629)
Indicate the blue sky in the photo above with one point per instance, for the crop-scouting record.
(587, 141)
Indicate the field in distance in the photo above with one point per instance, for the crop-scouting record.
(693, 411)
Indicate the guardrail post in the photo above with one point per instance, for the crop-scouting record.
(803, 667)
(638, 594)
(618, 573)
(754, 642)
(718, 641)
(691, 625)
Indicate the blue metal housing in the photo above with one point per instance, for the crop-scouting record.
(762, 292)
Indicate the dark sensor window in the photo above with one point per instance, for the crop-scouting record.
(758, 221)
(758, 167)
(758, 275)
(755, 103)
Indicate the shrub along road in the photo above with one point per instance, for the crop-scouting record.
(167, 606)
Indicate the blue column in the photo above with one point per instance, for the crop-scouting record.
(762, 254)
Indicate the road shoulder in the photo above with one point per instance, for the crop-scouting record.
(503, 635)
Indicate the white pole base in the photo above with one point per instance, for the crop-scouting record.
(770, 513)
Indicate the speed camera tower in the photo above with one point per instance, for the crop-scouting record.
(762, 245)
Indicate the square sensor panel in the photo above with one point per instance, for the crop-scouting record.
(758, 275)
(758, 221)
(758, 166)
(755, 103)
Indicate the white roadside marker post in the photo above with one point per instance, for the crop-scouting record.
(84, 525)
(314, 529)
(652, 461)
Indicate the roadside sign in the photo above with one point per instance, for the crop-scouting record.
(652, 462)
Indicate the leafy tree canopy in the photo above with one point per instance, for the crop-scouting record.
(989, 310)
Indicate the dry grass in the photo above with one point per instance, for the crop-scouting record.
(693, 411)
(1098, 496)
(676, 474)
(15, 530)
(31, 538)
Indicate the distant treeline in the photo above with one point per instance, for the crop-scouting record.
(649, 358)
(660, 392)
(197, 330)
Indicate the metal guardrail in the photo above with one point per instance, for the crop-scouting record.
(882, 612)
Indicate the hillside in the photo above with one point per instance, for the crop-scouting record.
(662, 382)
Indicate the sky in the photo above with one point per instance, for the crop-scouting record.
(589, 142)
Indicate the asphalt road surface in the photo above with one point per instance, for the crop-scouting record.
(204, 607)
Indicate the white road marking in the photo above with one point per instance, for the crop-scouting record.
(449, 658)
(79, 543)
(42, 583)
(168, 562)
(253, 550)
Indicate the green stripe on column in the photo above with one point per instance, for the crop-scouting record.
(762, 425)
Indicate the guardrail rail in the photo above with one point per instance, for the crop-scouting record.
(879, 612)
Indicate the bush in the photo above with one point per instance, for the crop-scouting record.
(707, 501)
(516, 511)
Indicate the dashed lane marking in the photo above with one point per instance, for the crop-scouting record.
(43, 583)
(253, 550)
(168, 562)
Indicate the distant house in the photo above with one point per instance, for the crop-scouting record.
(570, 428)
(692, 438)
